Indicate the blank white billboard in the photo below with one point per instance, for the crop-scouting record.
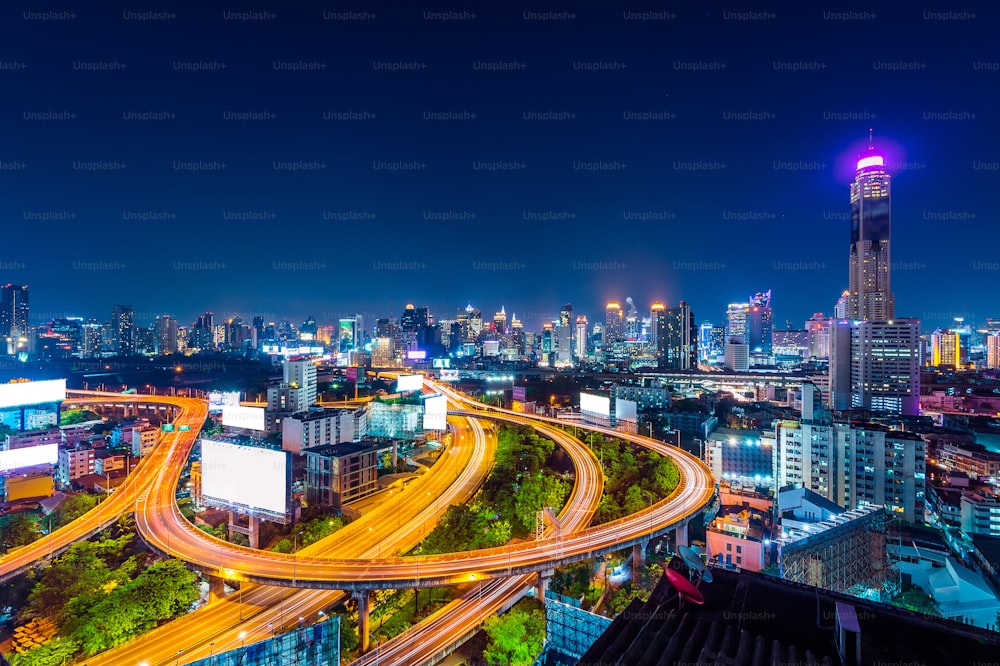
(625, 409)
(43, 454)
(449, 375)
(595, 404)
(409, 383)
(244, 476)
(219, 399)
(32, 393)
(251, 418)
(436, 413)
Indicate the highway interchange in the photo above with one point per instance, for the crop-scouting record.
(364, 555)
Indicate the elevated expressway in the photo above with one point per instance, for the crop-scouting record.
(429, 641)
(258, 612)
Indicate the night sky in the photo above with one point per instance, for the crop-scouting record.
(377, 155)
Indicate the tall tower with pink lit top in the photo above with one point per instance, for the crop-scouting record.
(870, 294)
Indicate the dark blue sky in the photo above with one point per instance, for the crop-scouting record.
(773, 104)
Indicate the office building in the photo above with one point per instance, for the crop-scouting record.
(123, 330)
(705, 342)
(742, 458)
(14, 333)
(949, 348)
(14, 312)
(614, 326)
(818, 328)
(759, 323)
(870, 294)
(337, 474)
(737, 354)
(564, 336)
(736, 320)
(885, 366)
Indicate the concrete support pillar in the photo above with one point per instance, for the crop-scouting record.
(681, 534)
(254, 535)
(638, 560)
(215, 589)
(542, 584)
(364, 601)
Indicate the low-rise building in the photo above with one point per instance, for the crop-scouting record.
(74, 463)
(741, 457)
(144, 438)
(319, 426)
(340, 473)
(736, 538)
(23, 440)
(980, 513)
(106, 461)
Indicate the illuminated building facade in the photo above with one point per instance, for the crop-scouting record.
(870, 294)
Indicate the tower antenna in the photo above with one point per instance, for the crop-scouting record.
(870, 146)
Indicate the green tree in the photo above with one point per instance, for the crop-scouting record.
(55, 653)
(635, 500)
(161, 592)
(75, 506)
(283, 546)
(349, 640)
(18, 529)
(516, 637)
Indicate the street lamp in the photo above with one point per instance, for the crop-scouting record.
(243, 639)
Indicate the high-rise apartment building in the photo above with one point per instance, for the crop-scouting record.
(581, 337)
(870, 293)
(123, 330)
(679, 344)
(166, 335)
(993, 350)
(885, 366)
(658, 328)
(946, 349)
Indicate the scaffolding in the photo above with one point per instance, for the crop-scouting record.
(569, 630)
(315, 645)
(846, 554)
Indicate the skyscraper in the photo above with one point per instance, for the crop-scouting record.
(736, 321)
(613, 330)
(14, 315)
(759, 323)
(658, 328)
(581, 336)
(564, 336)
(870, 290)
(123, 330)
(166, 335)
(680, 342)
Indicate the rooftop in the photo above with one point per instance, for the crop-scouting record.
(750, 618)
(345, 448)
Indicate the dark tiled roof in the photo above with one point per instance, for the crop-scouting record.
(750, 618)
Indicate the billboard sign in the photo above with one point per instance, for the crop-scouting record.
(518, 393)
(436, 413)
(441, 362)
(449, 374)
(251, 478)
(43, 454)
(595, 404)
(32, 393)
(218, 399)
(625, 410)
(351, 374)
(406, 383)
(251, 418)
(416, 355)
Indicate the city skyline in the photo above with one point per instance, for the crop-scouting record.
(657, 161)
